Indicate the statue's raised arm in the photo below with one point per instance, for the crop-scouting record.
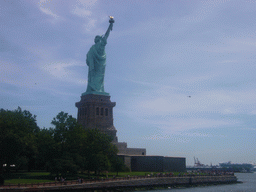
(111, 21)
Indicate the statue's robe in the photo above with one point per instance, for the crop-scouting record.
(96, 61)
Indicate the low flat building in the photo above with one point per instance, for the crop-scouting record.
(124, 150)
(154, 163)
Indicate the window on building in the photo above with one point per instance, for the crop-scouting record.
(106, 112)
(97, 111)
(110, 111)
(82, 111)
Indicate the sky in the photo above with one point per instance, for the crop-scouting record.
(182, 73)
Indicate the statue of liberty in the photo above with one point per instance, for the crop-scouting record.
(96, 61)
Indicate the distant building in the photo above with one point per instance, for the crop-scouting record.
(236, 167)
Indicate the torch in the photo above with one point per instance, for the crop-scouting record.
(111, 19)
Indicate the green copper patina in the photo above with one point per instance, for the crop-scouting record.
(96, 61)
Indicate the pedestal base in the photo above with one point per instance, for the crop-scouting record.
(96, 112)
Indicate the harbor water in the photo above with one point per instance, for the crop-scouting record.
(248, 185)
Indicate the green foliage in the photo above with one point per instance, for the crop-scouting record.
(1, 180)
(17, 138)
(117, 164)
(99, 151)
(46, 148)
(63, 166)
(79, 149)
(63, 150)
(68, 137)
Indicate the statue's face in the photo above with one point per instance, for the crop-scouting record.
(97, 39)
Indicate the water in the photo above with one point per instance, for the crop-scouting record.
(248, 185)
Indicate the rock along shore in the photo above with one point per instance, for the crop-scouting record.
(132, 183)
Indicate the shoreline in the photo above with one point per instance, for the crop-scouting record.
(132, 183)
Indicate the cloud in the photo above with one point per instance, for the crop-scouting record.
(168, 134)
(47, 7)
(49, 12)
(84, 9)
(185, 134)
(228, 61)
(63, 71)
(81, 12)
(229, 111)
(199, 78)
(179, 124)
(248, 129)
(171, 110)
(90, 25)
(8, 69)
(232, 44)
(253, 112)
(41, 77)
(162, 98)
(202, 12)
(158, 137)
(87, 3)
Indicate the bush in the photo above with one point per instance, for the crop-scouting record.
(1, 180)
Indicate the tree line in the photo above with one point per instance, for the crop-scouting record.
(66, 148)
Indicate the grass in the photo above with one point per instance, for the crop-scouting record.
(124, 174)
(23, 181)
(41, 177)
(37, 173)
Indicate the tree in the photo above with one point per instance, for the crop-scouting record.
(66, 148)
(99, 151)
(17, 138)
(67, 135)
(80, 149)
(46, 148)
(117, 164)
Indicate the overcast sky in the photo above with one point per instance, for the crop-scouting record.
(182, 73)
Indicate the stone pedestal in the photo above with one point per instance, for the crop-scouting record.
(96, 112)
